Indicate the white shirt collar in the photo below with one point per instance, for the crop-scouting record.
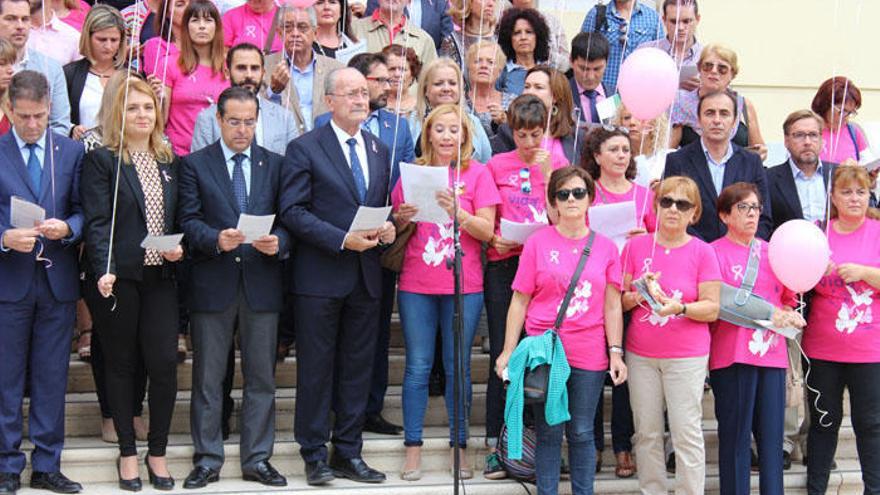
(796, 172)
(344, 136)
(228, 153)
(21, 143)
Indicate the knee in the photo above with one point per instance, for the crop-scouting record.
(579, 432)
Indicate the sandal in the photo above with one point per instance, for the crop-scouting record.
(626, 468)
(84, 345)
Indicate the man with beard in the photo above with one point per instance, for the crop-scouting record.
(275, 126)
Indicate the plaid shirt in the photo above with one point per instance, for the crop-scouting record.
(644, 25)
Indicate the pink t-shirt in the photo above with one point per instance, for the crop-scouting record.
(243, 25)
(557, 152)
(682, 270)
(643, 197)
(513, 178)
(424, 263)
(77, 17)
(841, 325)
(842, 144)
(546, 265)
(190, 94)
(732, 344)
(158, 55)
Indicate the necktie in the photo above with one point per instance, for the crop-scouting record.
(35, 170)
(360, 183)
(239, 186)
(591, 94)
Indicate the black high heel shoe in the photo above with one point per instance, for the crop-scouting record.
(132, 485)
(158, 482)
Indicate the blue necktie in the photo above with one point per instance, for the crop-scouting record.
(360, 183)
(239, 186)
(591, 94)
(35, 170)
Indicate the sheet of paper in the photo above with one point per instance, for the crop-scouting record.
(255, 226)
(869, 160)
(790, 333)
(650, 168)
(369, 218)
(420, 186)
(614, 221)
(346, 54)
(519, 232)
(607, 108)
(687, 72)
(24, 214)
(161, 243)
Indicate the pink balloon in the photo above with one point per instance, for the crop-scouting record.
(799, 254)
(648, 82)
(300, 4)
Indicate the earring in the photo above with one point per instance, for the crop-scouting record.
(554, 111)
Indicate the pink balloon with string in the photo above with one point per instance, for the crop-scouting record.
(648, 82)
(799, 254)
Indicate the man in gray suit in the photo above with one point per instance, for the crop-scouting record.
(275, 126)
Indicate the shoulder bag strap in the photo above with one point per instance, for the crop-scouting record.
(852, 135)
(748, 283)
(574, 281)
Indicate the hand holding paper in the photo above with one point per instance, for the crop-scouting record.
(162, 243)
(24, 214)
(420, 185)
(370, 218)
(519, 232)
(254, 226)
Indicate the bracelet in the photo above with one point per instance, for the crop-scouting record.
(615, 349)
(684, 308)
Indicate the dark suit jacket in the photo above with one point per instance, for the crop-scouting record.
(96, 188)
(61, 168)
(743, 166)
(76, 73)
(435, 19)
(207, 206)
(502, 142)
(318, 203)
(403, 146)
(786, 203)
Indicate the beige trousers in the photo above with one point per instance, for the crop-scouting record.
(674, 385)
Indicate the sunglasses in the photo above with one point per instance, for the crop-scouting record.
(612, 128)
(747, 208)
(578, 193)
(525, 183)
(722, 69)
(681, 205)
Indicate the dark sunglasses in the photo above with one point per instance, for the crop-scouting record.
(578, 193)
(681, 205)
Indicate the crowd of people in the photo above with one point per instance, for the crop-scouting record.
(125, 123)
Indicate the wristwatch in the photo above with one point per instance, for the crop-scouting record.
(684, 308)
(615, 349)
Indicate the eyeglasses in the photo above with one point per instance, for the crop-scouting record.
(579, 193)
(381, 80)
(525, 183)
(844, 111)
(612, 128)
(722, 69)
(681, 205)
(623, 28)
(353, 95)
(249, 123)
(748, 207)
(801, 136)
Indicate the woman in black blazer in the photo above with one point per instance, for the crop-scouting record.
(103, 48)
(134, 301)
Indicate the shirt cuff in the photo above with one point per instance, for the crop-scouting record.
(342, 247)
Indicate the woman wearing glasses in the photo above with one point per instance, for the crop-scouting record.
(426, 286)
(836, 101)
(590, 331)
(667, 342)
(718, 67)
(747, 364)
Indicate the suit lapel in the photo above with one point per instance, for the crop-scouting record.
(373, 163)
(730, 170)
(16, 161)
(334, 152)
(49, 166)
(165, 178)
(701, 166)
(131, 178)
(259, 169)
(788, 190)
(217, 165)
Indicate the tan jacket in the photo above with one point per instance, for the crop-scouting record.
(377, 37)
(290, 98)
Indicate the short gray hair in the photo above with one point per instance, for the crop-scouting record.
(330, 80)
(284, 9)
(28, 85)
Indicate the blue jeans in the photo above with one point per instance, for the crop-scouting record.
(584, 392)
(420, 315)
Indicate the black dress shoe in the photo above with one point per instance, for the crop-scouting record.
(200, 476)
(132, 485)
(318, 473)
(786, 460)
(264, 473)
(356, 470)
(55, 482)
(165, 484)
(377, 424)
(9, 483)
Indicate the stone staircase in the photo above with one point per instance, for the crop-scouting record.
(90, 461)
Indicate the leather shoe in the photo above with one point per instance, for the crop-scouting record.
(55, 482)
(200, 476)
(166, 484)
(377, 424)
(9, 483)
(356, 470)
(318, 473)
(264, 473)
(786, 460)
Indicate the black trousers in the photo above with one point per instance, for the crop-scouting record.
(99, 375)
(830, 378)
(497, 293)
(142, 328)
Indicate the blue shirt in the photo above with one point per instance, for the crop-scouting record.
(303, 82)
(371, 125)
(40, 150)
(811, 192)
(245, 164)
(414, 9)
(512, 79)
(717, 168)
(644, 25)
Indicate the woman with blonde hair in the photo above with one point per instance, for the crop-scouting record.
(426, 288)
(477, 19)
(649, 142)
(128, 191)
(8, 57)
(485, 61)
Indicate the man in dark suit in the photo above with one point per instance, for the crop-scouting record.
(589, 57)
(234, 282)
(430, 15)
(337, 280)
(37, 305)
(714, 163)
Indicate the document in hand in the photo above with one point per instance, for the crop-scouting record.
(420, 187)
(369, 218)
(519, 232)
(614, 221)
(161, 243)
(24, 214)
(869, 160)
(254, 226)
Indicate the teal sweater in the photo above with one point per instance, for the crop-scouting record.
(530, 353)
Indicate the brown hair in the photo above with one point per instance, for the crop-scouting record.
(846, 175)
(189, 58)
(112, 128)
(595, 139)
(412, 59)
(841, 89)
(561, 121)
(687, 186)
(526, 112)
(561, 175)
(465, 150)
(7, 52)
(733, 194)
(801, 115)
(99, 18)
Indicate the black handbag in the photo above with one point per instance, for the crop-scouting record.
(537, 379)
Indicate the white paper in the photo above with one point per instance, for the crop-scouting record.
(369, 218)
(343, 55)
(607, 108)
(869, 160)
(614, 221)
(790, 333)
(161, 243)
(519, 232)
(650, 168)
(420, 186)
(254, 226)
(687, 72)
(24, 214)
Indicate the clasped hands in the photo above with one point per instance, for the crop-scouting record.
(24, 240)
(362, 240)
(229, 239)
